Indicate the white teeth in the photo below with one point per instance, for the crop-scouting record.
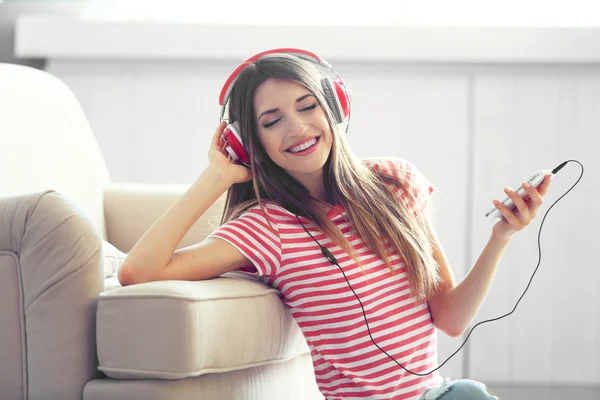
(303, 146)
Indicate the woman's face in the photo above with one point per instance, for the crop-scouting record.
(288, 113)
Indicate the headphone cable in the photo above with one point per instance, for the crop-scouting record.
(333, 260)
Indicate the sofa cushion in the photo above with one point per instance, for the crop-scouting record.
(290, 380)
(179, 329)
(110, 283)
(47, 141)
(113, 259)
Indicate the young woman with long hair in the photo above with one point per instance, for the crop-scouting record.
(348, 242)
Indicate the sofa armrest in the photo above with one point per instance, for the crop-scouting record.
(51, 275)
(130, 209)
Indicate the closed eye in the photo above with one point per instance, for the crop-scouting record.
(311, 107)
(307, 108)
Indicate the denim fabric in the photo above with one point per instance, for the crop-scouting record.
(460, 389)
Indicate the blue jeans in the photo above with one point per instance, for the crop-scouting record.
(460, 389)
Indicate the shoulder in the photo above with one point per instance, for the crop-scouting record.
(259, 218)
(402, 171)
(394, 166)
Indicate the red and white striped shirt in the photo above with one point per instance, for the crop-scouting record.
(347, 364)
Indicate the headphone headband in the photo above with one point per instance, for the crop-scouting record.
(304, 54)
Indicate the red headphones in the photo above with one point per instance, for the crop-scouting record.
(337, 95)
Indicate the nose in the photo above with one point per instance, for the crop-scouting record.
(296, 125)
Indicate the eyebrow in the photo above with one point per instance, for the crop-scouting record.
(298, 100)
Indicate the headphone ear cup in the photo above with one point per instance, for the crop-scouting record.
(330, 96)
(335, 94)
(344, 97)
(235, 145)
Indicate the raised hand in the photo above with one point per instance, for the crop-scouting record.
(219, 159)
(525, 210)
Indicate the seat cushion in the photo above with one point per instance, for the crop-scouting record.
(179, 329)
(290, 380)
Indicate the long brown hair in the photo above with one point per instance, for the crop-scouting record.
(374, 212)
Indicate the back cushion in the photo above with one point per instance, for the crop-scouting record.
(46, 141)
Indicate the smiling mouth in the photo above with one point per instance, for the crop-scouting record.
(316, 137)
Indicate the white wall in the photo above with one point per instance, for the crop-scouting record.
(13, 10)
(470, 127)
(509, 13)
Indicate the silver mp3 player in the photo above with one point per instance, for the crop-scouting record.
(534, 181)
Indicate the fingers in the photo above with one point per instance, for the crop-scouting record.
(217, 138)
(516, 220)
(534, 201)
(534, 196)
(519, 203)
(527, 209)
(543, 187)
(506, 213)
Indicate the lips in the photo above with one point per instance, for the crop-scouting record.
(302, 142)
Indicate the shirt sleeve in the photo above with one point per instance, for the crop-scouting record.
(252, 236)
(412, 179)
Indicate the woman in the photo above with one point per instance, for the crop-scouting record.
(348, 243)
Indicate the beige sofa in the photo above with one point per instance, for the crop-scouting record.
(68, 330)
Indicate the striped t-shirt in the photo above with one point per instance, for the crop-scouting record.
(346, 362)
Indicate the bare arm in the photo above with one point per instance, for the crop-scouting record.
(156, 248)
(454, 306)
(155, 251)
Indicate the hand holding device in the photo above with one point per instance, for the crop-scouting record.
(534, 181)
